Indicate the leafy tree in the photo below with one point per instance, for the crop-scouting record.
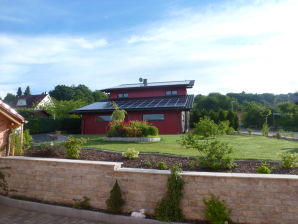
(19, 92)
(118, 114)
(62, 92)
(61, 108)
(9, 98)
(27, 91)
(98, 95)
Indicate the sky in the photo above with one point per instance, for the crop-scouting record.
(224, 45)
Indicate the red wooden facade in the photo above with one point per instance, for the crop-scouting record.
(136, 100)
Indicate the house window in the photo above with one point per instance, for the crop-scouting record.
(171, 93)
(104, 118)
(153, 117)
(21, 102)
(122, 95)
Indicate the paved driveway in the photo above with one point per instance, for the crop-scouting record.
(9, 215)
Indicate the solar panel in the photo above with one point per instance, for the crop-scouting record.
(179, 102)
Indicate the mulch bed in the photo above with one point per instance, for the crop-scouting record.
(242, 166)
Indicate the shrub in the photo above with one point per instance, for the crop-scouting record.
(216, 156)
(277, 135)
(115, 202)
(46, 150)
(82, 203)
(118, 115)
(249, 131)
(264, 169)
(73, 147)
(131, 129)
(289, 160)
(223, 127)
(130, 154)
(168, 209)
(212, 153)
(15, 143)
(192, 164)
(147, 164)
(230, 131)
(216, 211)
(27, 139)
(46, 125)
(206, 128)
(265, 129)
(162, 166)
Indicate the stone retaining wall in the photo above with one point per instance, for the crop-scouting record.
(253, 198)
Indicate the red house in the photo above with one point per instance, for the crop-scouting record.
(165, 105)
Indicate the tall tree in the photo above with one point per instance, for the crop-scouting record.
(9, 98)
(27, 91)
(19, 92)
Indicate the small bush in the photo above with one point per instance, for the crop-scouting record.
(131, 129)
(115, 202)
(15, 143)
(265, 130)
(216, 156)
(277, 135)
(289, 160)
(192, 164)
(27, 139)
(130, 154)
(249, 131)
(162, 166)
(223, 127)
(206, 128)
(46, 150)
(168, 209)
(216, 211)
(73, 146)
(264, 169)
(82, 203)
(230, 131)
(147, 164)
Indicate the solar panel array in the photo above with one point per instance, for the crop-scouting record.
(142, 103)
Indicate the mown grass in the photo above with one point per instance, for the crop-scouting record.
(245, 146)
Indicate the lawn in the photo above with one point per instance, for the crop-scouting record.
(245, 146)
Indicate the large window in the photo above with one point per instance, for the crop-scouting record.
(153, 117)
(171, 93)
(104, 118)
(122, 95)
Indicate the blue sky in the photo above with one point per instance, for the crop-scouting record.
(226, 46)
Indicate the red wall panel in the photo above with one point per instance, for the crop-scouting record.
(149, 92)
(170, 125)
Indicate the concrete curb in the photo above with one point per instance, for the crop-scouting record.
(131, 139)
(74, 213)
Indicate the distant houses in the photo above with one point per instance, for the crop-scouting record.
(34, 102)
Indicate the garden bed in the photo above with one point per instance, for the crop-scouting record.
(150, 161)
(132, 139)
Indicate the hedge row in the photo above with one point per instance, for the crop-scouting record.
(45, 125)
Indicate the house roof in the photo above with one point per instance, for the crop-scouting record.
(140, 104)
(186, 83)
(10, 113)
(31, 100)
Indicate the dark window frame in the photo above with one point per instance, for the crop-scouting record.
(122, 95)
(171, 92)
(161, 119)
(98, 120)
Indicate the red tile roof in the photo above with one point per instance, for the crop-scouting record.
(31, 100)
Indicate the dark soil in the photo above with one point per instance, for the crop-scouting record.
(150, 161)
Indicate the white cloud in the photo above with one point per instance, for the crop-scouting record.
(232, 47)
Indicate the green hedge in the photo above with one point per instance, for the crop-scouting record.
(45, 125)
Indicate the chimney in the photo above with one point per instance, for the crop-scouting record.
(145, 82)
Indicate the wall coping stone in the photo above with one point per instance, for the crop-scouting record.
(118, 168)
(75, 161)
